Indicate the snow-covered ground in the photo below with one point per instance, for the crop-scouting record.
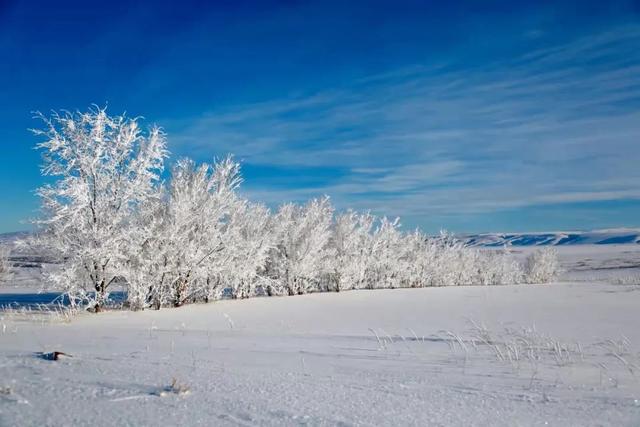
(560, 354)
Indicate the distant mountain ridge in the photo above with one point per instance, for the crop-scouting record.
(556, 238)
(13, 236)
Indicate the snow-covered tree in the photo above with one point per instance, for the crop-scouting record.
(494, 267)
(303, 232)
(352, 245)
(200, 240)
(193, 234)
(103, 169)
(146, 265)
(414, 261)
(542, 266)
(386, 247)
(250, 231)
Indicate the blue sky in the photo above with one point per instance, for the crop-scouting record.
(470, 116)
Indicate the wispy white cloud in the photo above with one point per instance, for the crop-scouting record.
(556, 125)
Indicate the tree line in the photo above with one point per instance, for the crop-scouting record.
(113, 222)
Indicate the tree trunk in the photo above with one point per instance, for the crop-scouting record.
(100, 295)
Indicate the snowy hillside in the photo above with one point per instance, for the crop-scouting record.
(598, 237)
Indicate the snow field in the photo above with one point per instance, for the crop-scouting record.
(376, 357)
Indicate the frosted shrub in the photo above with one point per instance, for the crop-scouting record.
(542, 266)
(351, 242)
(298, 261)
(242, 265)
(508, 270)
(497, 268)
(384, 265)
(445, 261)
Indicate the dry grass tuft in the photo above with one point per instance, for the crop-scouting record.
(176, 388)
